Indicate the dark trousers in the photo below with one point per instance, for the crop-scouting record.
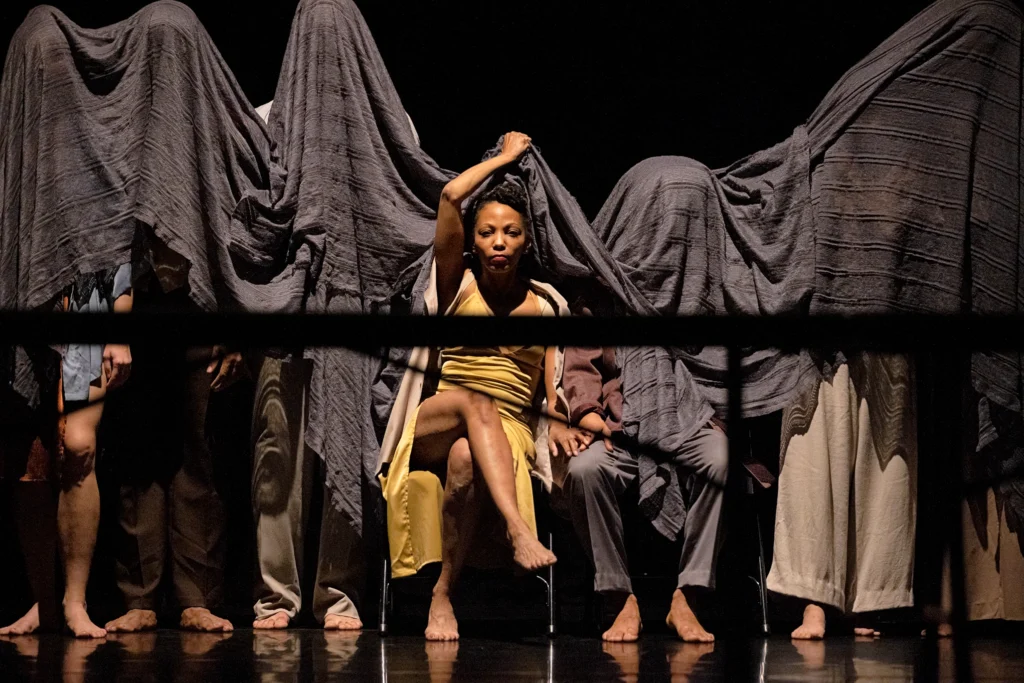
(175, 520)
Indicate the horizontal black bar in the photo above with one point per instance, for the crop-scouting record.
(892, 333)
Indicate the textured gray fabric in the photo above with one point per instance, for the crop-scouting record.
(132, 135)
(366, 198)
(355, 188)
(900, 193)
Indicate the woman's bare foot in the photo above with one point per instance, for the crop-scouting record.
(684, 622)
(276, 621)
(79, 622)
(133, 621)
(22, 627)
(813, 627)
(862, 632)
(335, 622)
(202, 619)
(441, 624)
(627, 625)
(529, 553)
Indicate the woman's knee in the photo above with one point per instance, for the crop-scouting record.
(477, 406)
(460, 464)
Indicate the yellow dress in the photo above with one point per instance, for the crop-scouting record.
(508, 374)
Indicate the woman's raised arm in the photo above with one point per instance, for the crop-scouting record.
(449, 238)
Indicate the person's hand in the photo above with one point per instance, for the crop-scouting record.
(117, 364)
(595, 424)
(229, 368)
(514, 145)
(570, 441)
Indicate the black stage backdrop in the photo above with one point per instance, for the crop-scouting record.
(599, 87)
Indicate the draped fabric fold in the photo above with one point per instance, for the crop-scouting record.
(900, 193)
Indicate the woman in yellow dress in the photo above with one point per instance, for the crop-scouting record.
(474, 432)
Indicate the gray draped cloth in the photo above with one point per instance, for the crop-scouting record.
(118, 142)
(365, 198)
(900, 194)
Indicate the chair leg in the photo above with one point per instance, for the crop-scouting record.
(762, 584)
(552, 607)
(385, 589)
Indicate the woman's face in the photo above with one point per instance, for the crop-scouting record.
(499, 238)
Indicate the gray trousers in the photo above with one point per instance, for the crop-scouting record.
(283, 480)
(597, 478)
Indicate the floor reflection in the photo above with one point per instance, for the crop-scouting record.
(302, 655)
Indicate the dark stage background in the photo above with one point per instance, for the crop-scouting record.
(598, 86)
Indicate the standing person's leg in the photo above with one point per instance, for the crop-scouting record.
(197, 514)
(142, 553)
(594, 480)
(78, 508)
(27, 459)
(341, 572)
(883, 524)
(281, 482)
(812, 520)
(460, 510)
(706, 458)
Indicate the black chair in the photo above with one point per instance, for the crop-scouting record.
(544, 529)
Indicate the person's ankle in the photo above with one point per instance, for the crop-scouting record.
(616, 600)
(443, 593)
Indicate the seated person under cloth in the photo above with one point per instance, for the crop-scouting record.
(475, 431)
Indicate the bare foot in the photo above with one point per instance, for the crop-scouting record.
(202, 619)
(79, 622)
(132, 621)
(529, 553)
(867, 633)
(22, 627)
(684, 622)
(627, 625)
(334, 622)
(813, 627)
(276, 621)
(441, 624)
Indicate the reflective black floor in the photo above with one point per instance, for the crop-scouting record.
(300, 655)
